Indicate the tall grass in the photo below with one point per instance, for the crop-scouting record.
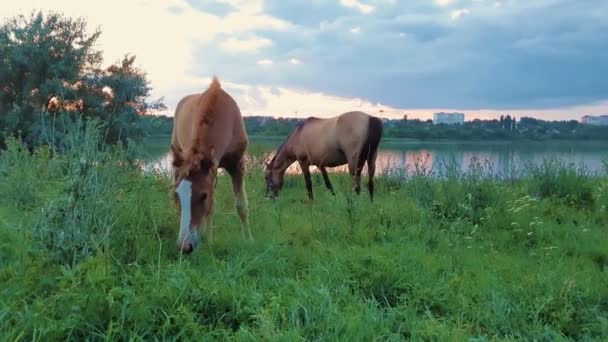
(87, 251)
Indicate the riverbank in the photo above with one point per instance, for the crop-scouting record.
(87, 248)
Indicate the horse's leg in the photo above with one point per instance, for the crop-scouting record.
(326, 180)
(237, 173)
(355, 173)
(371, 170)
(305, 170)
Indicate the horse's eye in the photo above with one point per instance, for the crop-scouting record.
(203, 196)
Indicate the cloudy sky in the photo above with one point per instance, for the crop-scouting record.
(543, 58)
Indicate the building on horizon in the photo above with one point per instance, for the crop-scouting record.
(448, 118)
(597, 120)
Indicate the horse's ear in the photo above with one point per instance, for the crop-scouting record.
(178, 159)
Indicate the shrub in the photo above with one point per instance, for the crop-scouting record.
(556, 179)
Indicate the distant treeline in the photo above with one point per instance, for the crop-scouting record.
(505, 128)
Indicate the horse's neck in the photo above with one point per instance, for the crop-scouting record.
(286, 156)
(284, 160)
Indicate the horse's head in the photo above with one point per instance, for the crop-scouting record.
(274, 178)
(194, 192)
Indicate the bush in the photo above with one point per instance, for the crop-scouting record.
(93, 196)
(556, 179)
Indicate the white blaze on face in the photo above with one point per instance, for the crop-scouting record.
(184, 191)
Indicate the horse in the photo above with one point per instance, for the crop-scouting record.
(350, 138)
(208, 133)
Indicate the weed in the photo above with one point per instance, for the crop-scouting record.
(87, 252)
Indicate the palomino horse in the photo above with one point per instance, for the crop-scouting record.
(208, 133)
(352, 138)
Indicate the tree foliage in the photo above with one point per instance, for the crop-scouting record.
(51, 74)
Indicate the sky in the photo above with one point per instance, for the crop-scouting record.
(541, 58)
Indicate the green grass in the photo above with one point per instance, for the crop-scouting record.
(87, 250)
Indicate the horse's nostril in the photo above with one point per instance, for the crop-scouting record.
(186, 248)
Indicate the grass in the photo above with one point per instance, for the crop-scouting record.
(87, 251)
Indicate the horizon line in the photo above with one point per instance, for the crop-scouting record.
(514, 116)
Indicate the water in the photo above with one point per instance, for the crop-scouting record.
(496, 158)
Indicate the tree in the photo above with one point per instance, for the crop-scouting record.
(42, 58)
(118, 99)
(50, 70)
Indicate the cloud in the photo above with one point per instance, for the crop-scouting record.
(278, 101)
(456, 14)
(164, 33)
(245, 45)
(307, 12)
(468, 55)
(265, 62)
(364, 8)
(411, 54)
(213, 7)
(444, 3)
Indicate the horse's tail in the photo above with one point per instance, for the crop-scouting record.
(372, 141)
(207, 105)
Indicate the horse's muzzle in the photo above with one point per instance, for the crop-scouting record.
(188, 243)
(271, 191)
(185, 247)
(271, 194)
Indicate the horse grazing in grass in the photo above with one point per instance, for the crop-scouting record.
(350, 138)
(208, 133)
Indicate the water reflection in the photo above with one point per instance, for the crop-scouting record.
(431, 158)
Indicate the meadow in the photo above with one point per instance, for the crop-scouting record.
(87, 251)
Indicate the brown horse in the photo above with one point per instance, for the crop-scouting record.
(208, 133)
(351, 138)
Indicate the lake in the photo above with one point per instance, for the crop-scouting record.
(430, 158)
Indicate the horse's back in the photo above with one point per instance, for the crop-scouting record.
(227, 130)
(351, 130)
(332, 141)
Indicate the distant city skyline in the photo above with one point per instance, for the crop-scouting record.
(417, 57)
(430, 116)
(550, 115)
(576, 113)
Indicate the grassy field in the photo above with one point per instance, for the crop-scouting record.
(87, 250)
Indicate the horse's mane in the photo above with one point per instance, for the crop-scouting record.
(282, 146)
(201, 155)
(291, 134)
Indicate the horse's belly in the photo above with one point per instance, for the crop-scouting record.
(335, 159)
